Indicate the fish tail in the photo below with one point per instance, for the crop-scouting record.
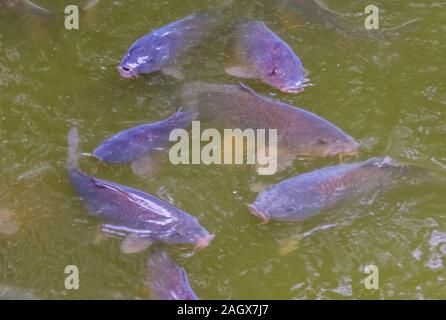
(73, 148)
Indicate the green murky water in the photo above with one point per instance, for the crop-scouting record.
(390, 95)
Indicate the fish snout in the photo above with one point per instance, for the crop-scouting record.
(204, 241)
(127, 72)
(258, 213)
(343, 148)
(294, 88)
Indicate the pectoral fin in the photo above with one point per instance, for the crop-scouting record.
(173, 71)
(240, 71)
(134, 244)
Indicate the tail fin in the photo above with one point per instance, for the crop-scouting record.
(73, 148)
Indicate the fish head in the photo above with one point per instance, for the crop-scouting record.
(191, 232)
(319, 138)
(294, 199)
(145, 56)
(283, 69)
(120, 148)
(275, 204)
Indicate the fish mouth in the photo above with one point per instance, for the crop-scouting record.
(292, 88)
(204, 241)
(258, 213)
(348, 149)
(127, 72)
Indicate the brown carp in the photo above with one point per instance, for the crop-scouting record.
(299, 133)
(262, 54)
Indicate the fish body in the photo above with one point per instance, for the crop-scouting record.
(262, 54)
(308, 194)
(160, 49)
(167, 280)
(131, 144)
(237, 106)
(130, 211)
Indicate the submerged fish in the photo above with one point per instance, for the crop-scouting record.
(131, 144)
(143, 218)
(167, 280)
(263, 55)
(160, 49)
(27, 7)
(308, 194)
(299, 132)
(317, 12)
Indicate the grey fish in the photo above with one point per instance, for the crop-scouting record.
(131, 144)
(299, 132)
(265, 56)
(28, 7)
(308, 194)
(167, 280)
(141, 217)
(160, 49)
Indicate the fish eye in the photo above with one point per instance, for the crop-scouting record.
(275, 71)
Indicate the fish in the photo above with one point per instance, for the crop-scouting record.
(308, 194)
(131, 144)
(318, 12)
(263, 55)
(29, 7)
(166, 279)
(139, 216)
(300, 133)
(160, 49)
